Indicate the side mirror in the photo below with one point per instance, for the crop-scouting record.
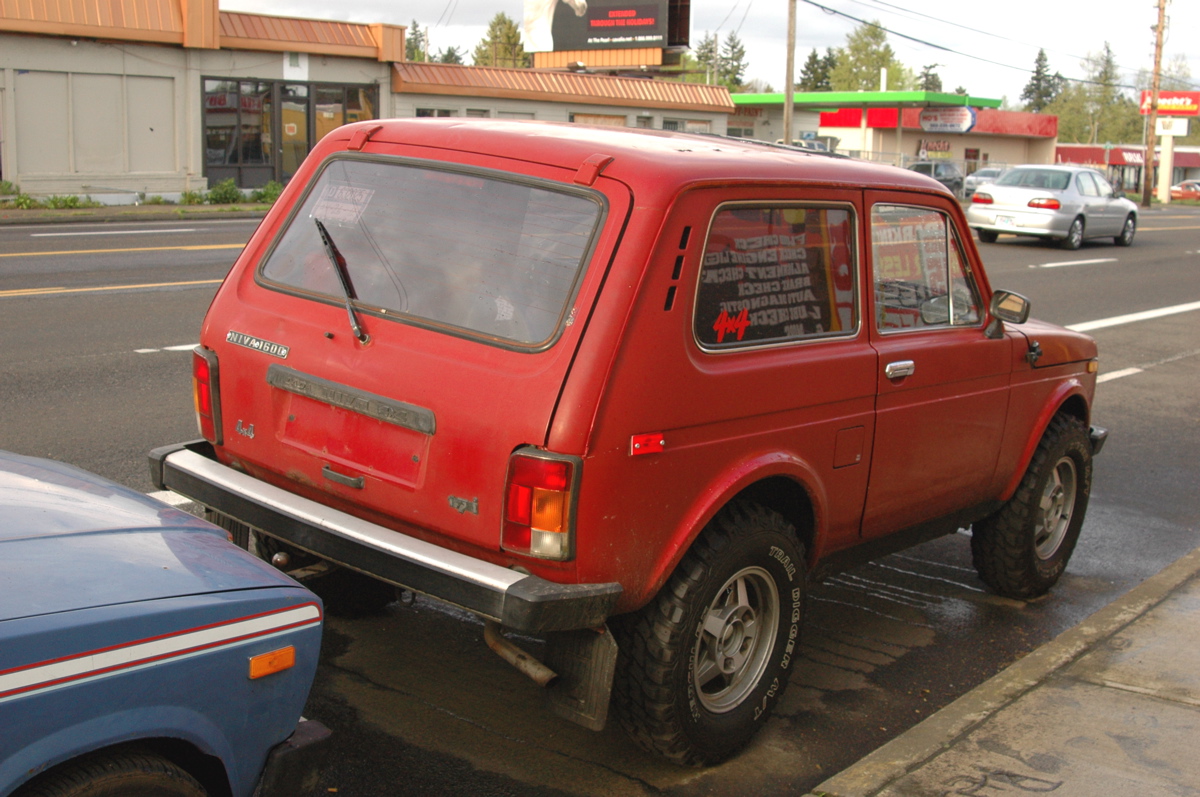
(1007, 306)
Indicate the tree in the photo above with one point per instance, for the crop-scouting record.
(815, 74)
(1098, 109)
(1042, 88)
(502, 44)
(708, 52)
(929, 80)
(450, 56)
(414, 43)
(860, 61)
(732, 66)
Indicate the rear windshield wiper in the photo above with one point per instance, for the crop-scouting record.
(343, 274)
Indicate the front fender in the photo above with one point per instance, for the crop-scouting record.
(107, 730)
(1067, 391)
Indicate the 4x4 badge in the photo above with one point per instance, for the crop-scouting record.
(258, 344)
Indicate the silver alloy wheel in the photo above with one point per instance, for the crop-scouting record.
(736, 639)
(1075, 235)
(1128, 232)
(1056, 507)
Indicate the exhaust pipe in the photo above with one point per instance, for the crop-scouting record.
(540, 673)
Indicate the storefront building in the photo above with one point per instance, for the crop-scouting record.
(129, 99)
(903, 127)
(1124, 163)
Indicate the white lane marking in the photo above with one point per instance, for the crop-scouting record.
(106, 232)
(170, 497)
(1117, 374)
(1130, 318)
(1074, 263)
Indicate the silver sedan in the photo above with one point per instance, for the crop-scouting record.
(1066, 204)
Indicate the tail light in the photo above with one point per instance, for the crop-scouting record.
(539, 505)
(206, 394)
(1048, 203)
(981, 199)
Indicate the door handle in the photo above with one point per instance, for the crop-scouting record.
(899, 369)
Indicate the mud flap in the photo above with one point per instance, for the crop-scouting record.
(585, 662)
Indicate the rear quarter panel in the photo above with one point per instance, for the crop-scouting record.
(729, 418)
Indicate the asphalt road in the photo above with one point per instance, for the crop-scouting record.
(95, 372)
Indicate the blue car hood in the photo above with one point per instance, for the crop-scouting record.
(70, 540)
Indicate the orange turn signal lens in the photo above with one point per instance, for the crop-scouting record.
(265, 664)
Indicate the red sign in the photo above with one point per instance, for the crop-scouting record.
(1173, 103)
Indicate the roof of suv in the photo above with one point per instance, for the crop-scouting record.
(677, 158)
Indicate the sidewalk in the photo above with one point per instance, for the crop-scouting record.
(1110, 707)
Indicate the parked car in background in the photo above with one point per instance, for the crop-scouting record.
(1067, 204)
(980, 177)
(1188, 189)
(944, 172)
(630, 391)
(141, 652)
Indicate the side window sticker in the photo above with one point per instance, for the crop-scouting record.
(774, 274)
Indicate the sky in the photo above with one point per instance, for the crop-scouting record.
(987, 48)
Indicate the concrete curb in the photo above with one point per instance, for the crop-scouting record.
(940, 732)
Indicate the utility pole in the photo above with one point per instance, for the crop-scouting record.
(789, 85)
(1148, 168)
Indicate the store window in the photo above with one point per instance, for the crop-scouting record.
(602, 119)
(257, 131)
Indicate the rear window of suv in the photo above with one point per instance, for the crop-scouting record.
(465, 251)
(776, 274)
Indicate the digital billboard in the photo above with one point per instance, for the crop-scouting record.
(558, 25)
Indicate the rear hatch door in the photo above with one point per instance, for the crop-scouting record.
(471, 283)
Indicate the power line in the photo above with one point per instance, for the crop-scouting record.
(836, 12)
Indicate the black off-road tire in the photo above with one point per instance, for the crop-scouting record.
(696, 692)
(987, 236)
(1022, 550)
(118, 773)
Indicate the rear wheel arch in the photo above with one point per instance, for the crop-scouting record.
(776, 481)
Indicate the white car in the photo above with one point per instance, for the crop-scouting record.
(1067, 204)
(980, 177)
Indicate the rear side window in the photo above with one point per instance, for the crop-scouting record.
(775, 274)
(471, 252)
(921, 276)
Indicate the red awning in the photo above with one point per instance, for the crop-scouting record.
(1095, 156)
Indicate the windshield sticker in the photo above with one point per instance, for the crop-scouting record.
(342, 204)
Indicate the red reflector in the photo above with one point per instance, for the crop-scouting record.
(1045, 202)
(652, 443)
(981, 199)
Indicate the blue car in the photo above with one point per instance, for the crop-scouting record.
(141, 652)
